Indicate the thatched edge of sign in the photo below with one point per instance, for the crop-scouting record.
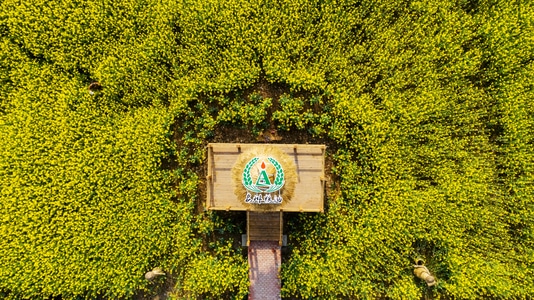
(290, 172)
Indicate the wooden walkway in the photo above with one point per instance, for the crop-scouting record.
(264, 239)
(264, 258)
(264, 226)
(309, 190)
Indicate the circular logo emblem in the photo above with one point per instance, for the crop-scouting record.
(264, 176)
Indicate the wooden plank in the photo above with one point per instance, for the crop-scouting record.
(280, 236)
(271, 217)
(290, 209)
(209, 179)
(264, 237)
(309, 190)
(264, 226)
(300, 149)
(226, 161)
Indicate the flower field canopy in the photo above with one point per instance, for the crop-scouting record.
(274, 177)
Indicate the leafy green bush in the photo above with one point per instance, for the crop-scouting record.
(86, 208)
(209, 277)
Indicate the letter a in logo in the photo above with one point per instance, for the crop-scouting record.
(263, 178)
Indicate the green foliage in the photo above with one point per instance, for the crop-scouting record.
(425, 106)
(86, 208)
(251, 113)
(213, 277)
(292, 114)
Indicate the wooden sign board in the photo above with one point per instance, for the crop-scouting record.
(309, 190)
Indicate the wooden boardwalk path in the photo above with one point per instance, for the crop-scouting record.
(264, 232)
(309, 190)
(264, 226)
(264, 259)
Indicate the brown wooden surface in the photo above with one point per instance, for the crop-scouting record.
(309, 190)
(264, 226)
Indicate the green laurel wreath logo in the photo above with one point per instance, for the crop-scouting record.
(279, 181)
(247, 179)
